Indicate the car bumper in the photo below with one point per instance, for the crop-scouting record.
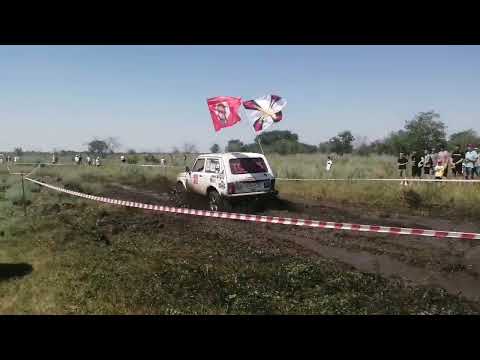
(252, 194)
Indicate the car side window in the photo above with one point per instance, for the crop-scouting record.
(199, 165)
(213, 166)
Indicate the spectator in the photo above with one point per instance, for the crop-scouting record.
(444, 156)
(439, 170)
(77, 159)
(476, 167)
(434, 157)
(416, 165)
(427, 162)
(89, 160)
(97, 161)
(471, 158)
(329, 164)
(402, 164)
(457, 160)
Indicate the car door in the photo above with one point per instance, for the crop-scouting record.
(215, 176)
(195, 177)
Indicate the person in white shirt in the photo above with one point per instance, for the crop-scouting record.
(97, 161)
(329, 164)
(476, 168)
(122, 158)
(162, 162)
(15, 159)
(89, 160)
(471, 158)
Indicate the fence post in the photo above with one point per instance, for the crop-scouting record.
(23, 197)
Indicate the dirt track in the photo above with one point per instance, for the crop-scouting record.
(448, 263)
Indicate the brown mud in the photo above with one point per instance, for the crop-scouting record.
(451, 264)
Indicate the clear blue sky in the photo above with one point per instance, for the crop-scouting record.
(154, 97)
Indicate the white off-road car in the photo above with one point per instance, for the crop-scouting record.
(227, 178)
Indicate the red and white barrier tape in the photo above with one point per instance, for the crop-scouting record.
(397, 180)
(272, 219)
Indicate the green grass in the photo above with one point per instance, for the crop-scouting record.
(434, 198)
(98, 259)
(83, 266)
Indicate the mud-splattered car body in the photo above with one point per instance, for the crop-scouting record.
(228, 178)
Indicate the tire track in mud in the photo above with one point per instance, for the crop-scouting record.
(453, 265)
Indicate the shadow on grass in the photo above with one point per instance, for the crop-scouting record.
(9, 271)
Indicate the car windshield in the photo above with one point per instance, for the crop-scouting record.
(247, 166)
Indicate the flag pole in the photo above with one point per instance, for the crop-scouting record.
(257, 136)
(260, 144)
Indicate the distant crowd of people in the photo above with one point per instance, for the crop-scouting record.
(8, 159)
(433, 164)
(78, 160)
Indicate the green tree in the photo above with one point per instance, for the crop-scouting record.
(98, 147)
(424, 132)
(272, 137)
(18, 151)
(463, 138)
(234, 146)
(342, 143)
(215, 148)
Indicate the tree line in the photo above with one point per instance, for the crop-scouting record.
(424, 131)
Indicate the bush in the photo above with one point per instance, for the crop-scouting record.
(14, 195)
(412, 198)
(151, 159)
(132, 160)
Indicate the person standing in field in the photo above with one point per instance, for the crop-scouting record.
(328, 167)
(97, 161)
(89, 160)
(471, 158)
(457, 161)
(477, 163)
(427, 162)
(122, 159)
(444, 156)
(439, 170)
(184, 159)
(416, 165)
(434, 157)
(402, 165)
(54, 158)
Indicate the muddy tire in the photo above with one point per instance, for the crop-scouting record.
(217, 203)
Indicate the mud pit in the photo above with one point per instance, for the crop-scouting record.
(451, 264)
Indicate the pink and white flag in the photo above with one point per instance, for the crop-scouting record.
(224, 111)
(264, 111)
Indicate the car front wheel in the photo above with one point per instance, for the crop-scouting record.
(216, 202)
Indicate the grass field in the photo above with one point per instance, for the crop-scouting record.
(432, 198)
(90, 258)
